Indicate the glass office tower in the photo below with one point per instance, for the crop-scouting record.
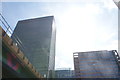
(36, 38)
(64, 73)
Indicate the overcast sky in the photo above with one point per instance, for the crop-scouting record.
(81, 25)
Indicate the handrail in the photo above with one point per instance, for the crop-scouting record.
(9, 32)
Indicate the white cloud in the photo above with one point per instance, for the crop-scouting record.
(51, 1)
(109, 4)
(61, 63)
(113, 45)
(116, 1)
(79, 28)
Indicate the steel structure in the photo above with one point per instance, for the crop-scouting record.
(14, 63)
(117, 2)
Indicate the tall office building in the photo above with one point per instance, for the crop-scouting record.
(97, 64)
(36, 38)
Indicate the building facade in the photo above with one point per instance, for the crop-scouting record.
(36, 38)
(96, 64)
(64, 73)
